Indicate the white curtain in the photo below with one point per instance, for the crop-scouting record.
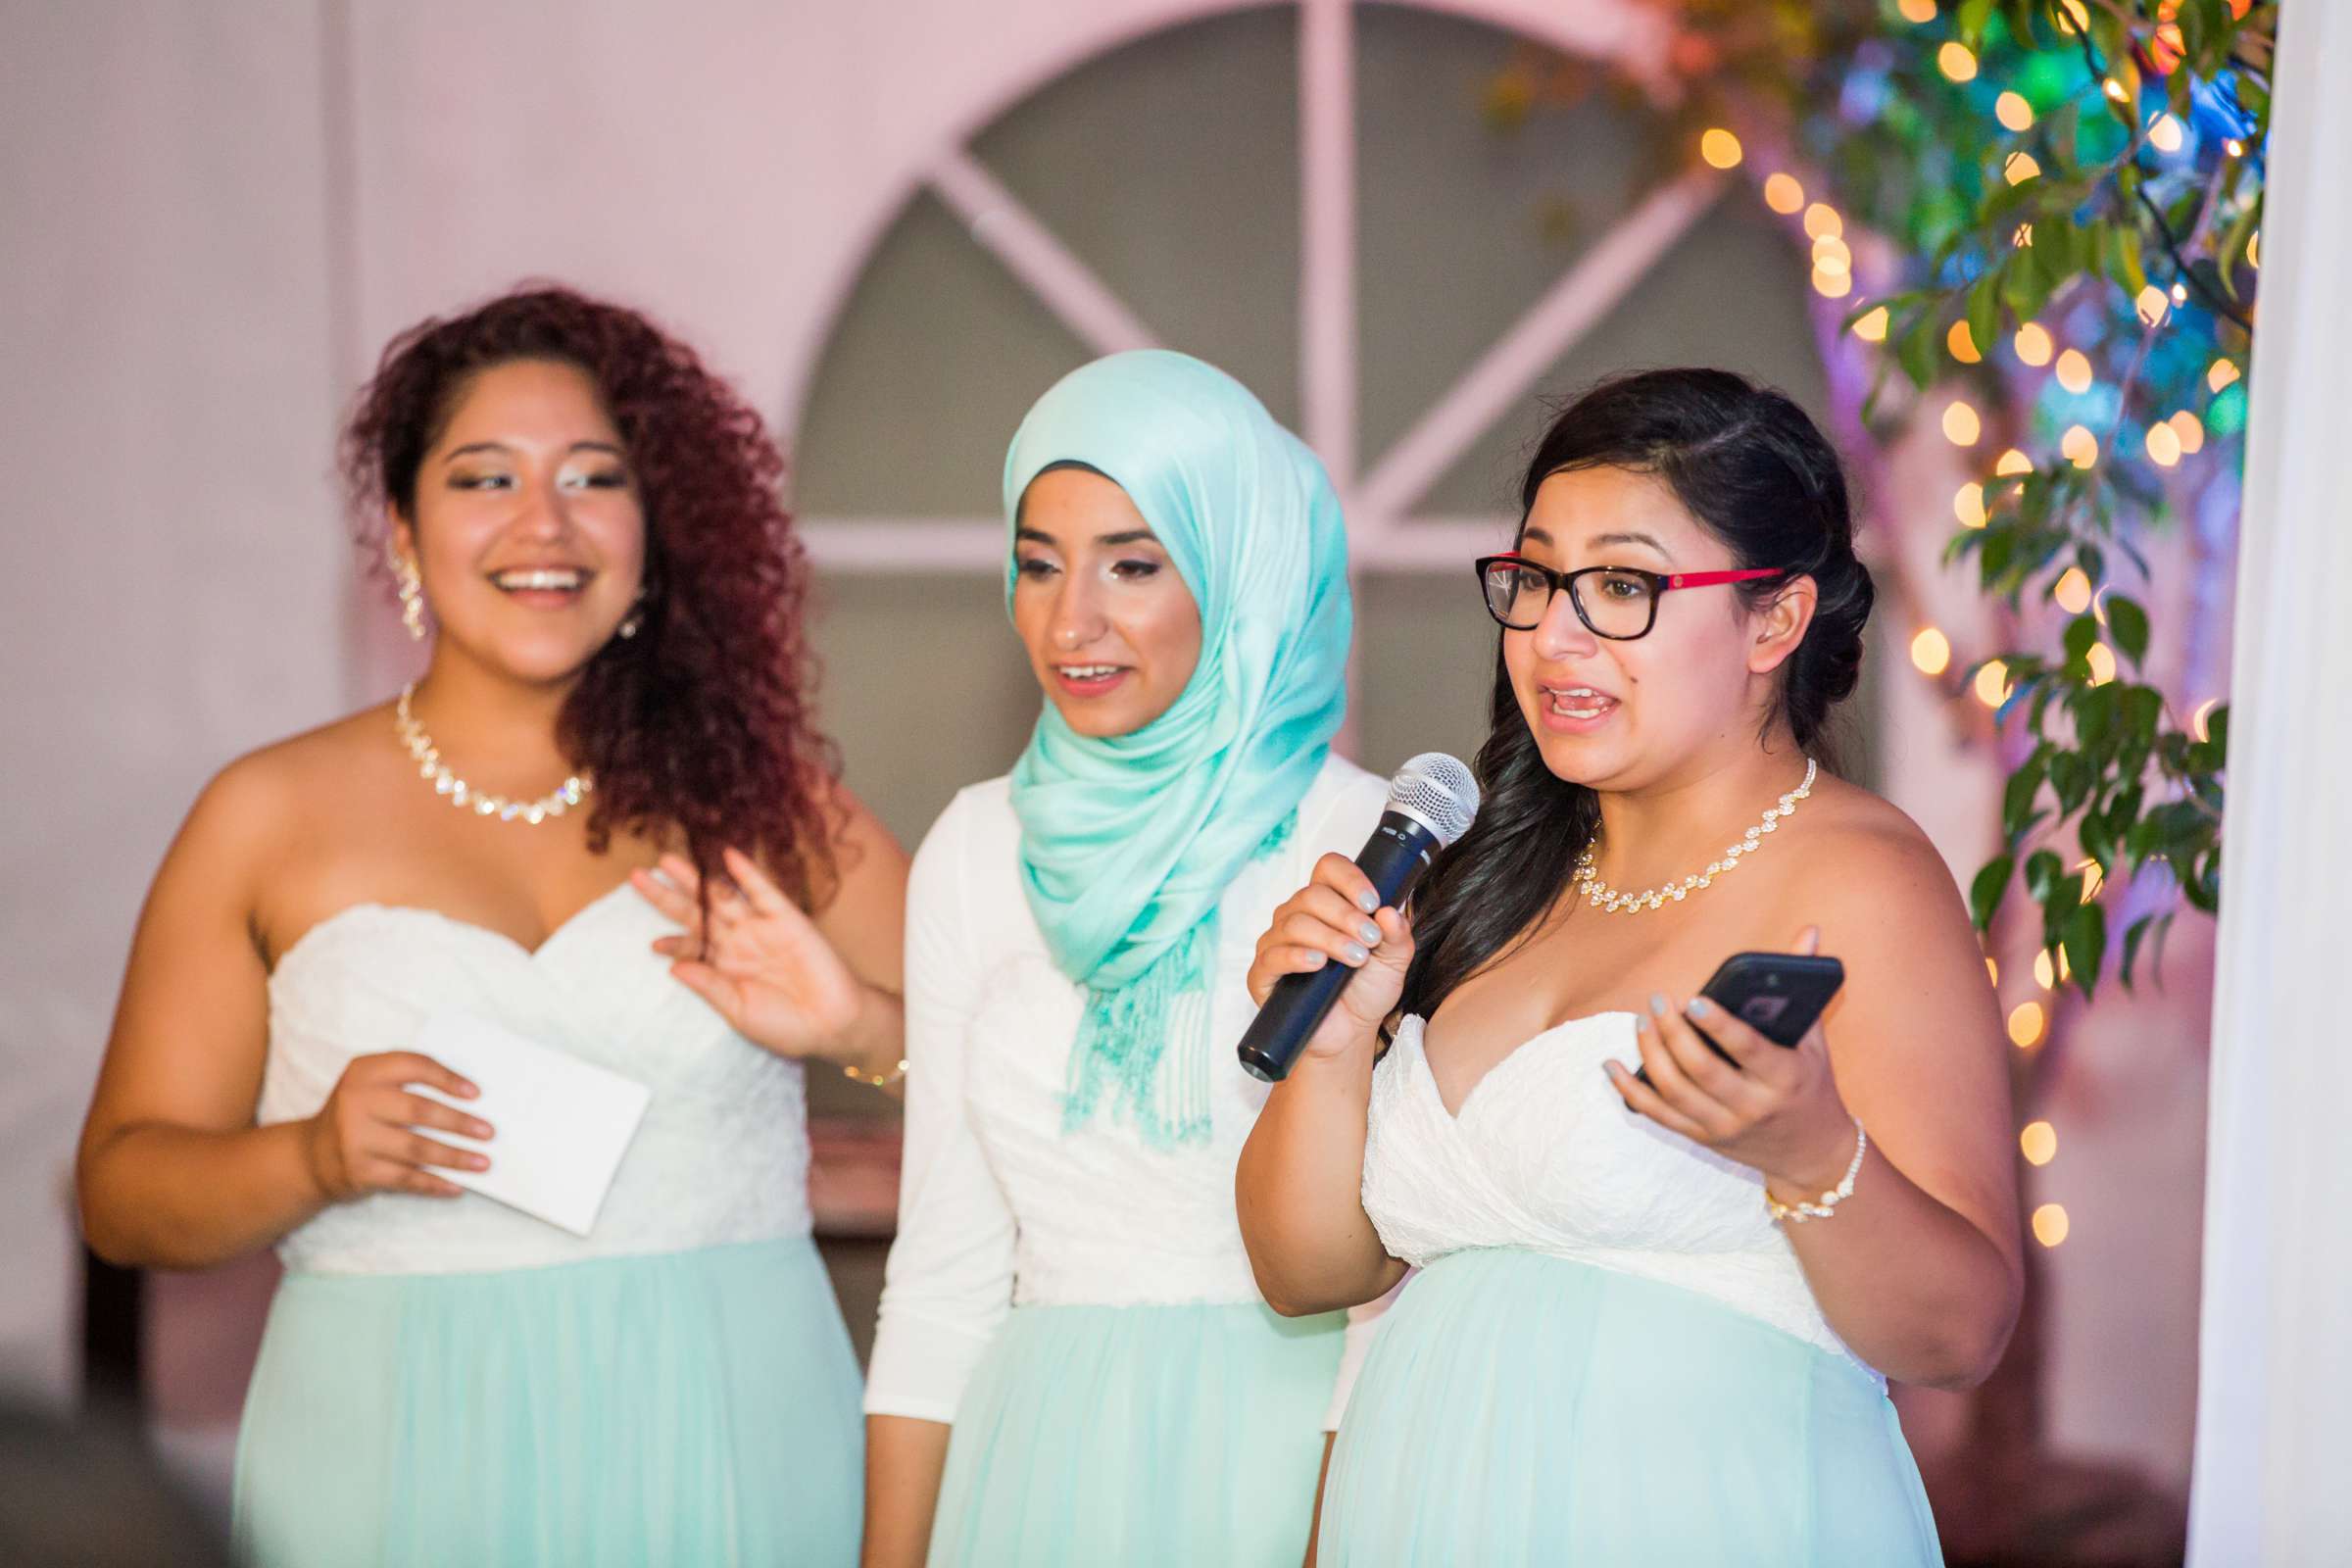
(2275, 1391)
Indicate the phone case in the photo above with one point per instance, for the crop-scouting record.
(1778, 994)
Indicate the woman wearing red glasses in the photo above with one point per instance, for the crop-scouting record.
(1654, 1316)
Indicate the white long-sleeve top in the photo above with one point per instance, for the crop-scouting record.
(998, 1205)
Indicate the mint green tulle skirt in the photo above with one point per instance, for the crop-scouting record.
(1518, 1408)
(696, 1408)
(1139, 1435)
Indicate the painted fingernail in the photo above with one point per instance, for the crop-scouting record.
(1699, 1007)
(1316, 961)
(1370, 934)
(478, 1161)
(1640, 1024)
(1368, 902)
(1657, 1003)
(1354, 953)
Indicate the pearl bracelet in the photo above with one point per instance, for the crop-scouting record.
(1799, 1213)
(883, 1080)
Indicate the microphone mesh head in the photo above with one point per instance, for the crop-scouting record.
(1438, 792)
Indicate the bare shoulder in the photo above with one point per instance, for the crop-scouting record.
(263, 819)
(265, 798)
(866, 856)
(1863, 852)
(852, 819)
(1885, 901)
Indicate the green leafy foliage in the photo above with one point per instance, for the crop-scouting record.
(2109, 763)
(2091, 169)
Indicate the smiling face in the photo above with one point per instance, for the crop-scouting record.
(1111, 631)
(1622, 715)
(528, 531)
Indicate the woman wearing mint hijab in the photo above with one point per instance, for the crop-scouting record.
(1073, 1364)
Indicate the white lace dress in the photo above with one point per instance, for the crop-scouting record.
(1609, 1353)
(448, 1381)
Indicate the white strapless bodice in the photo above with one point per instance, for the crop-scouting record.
(722, 1156)
(1544, 1156)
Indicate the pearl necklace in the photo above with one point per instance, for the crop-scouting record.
(1602, 896)
(462, 795)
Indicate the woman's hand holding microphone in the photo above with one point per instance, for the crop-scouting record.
(1338, 918)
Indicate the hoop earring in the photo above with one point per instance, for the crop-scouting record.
(411, 596)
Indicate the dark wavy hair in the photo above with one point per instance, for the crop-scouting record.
(1758, 474)
(701, 724)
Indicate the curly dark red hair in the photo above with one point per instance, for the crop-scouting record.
(700, 724)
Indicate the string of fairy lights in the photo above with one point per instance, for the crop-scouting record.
(2034, 347)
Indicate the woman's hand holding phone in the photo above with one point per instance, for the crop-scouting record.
(1772, 1107)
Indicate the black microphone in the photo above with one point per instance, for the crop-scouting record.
(1430, 801)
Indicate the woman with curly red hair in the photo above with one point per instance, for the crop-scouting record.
(617, 695)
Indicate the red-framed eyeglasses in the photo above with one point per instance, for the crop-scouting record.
(1619, 603)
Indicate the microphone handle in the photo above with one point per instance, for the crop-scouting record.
(1398, 850)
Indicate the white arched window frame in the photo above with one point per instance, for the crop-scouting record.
(1379, 493)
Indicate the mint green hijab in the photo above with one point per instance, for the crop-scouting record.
(1128, 843)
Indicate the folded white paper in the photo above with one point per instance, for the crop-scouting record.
(561, 1124)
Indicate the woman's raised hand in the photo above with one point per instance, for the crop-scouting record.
(759, 960)
(1338, 918)
(364, 1139)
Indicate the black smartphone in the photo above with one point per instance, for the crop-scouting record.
(1778, 994)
